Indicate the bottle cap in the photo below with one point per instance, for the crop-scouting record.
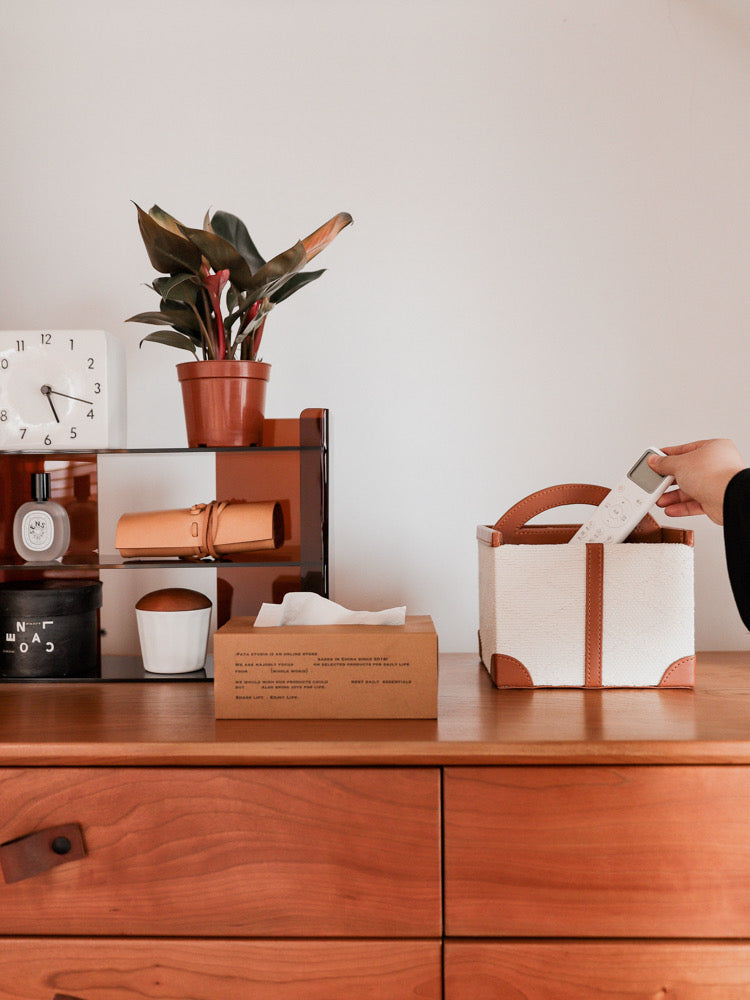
(40, 487)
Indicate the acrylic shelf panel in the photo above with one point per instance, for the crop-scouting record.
(286, 555)
(290, 466)
(116, 669)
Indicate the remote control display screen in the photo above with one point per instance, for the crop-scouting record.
(644, 476)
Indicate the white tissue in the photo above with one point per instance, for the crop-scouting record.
(312, 609)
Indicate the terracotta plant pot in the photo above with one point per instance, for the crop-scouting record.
(224, 402)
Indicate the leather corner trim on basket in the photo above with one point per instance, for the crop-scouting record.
(681, 536)
(594, 613)
(487, 534)
(680, 674)
(507, 671)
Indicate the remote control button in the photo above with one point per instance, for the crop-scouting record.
(619, 513)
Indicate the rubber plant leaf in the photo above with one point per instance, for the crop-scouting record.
(165, 220)
(235, 232)
(278, 270)
(264, 304)
(181, 317)
(233, 298)
(171, 338)
(326, 234)
(293, 285)
(168, 252)
(154, 318)
(221, 255)
(265, 307)
(178, 288)
(238, 309)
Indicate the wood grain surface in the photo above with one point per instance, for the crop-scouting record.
(162, 722)
(597, 970)
(597, 851)
(139, 969)
(230, 852)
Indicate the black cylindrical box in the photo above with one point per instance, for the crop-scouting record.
(49, 628)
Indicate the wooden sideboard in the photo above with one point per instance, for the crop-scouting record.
(526, 845)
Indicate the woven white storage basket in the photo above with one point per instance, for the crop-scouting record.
(595, 616)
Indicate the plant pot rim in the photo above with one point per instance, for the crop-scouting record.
(225, 368)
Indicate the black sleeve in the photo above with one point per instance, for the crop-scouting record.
(737, 540)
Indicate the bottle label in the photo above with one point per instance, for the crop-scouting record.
(38, 530)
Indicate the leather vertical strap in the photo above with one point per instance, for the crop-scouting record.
(594, 613)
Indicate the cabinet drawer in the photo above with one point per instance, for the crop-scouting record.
(266, 852)
(606, 970)
(219, 970)
(598, 851)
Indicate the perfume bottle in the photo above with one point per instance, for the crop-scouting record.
(41, 528)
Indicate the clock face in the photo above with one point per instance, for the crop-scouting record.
(60, 390)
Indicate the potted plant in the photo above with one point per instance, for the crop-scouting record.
(216, 291)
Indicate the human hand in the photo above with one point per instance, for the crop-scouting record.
(702, 470)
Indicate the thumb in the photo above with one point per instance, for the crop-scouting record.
(663, 464)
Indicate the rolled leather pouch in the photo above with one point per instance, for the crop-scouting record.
(214, 529)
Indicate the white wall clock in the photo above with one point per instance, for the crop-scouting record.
(61, 390)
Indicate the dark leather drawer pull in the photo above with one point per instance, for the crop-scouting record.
(38, 852)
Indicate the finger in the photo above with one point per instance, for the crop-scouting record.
(672, 496)
(687, 508)
(663, 464)
(683, 449)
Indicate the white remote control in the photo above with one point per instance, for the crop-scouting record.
(625, 506)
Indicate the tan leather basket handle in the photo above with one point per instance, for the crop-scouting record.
(514, 529)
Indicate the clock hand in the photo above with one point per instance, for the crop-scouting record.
(46, 391)
(66, 396)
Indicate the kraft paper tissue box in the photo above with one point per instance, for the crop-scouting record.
(326, 671)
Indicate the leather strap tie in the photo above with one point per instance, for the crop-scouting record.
(213, 512)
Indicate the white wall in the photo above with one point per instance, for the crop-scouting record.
(548, 268)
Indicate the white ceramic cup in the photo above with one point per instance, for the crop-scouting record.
(173, 641)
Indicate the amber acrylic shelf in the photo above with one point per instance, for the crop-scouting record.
(287, 555)
(289, 466)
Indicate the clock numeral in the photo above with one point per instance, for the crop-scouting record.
(73, 433)
(97, 388)
(23, 433)
(90, 414)
(46, 338)
(4, 364)
(48, 440)
(3, 415)
(20, 345)
(72, 344)
(91, 363)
